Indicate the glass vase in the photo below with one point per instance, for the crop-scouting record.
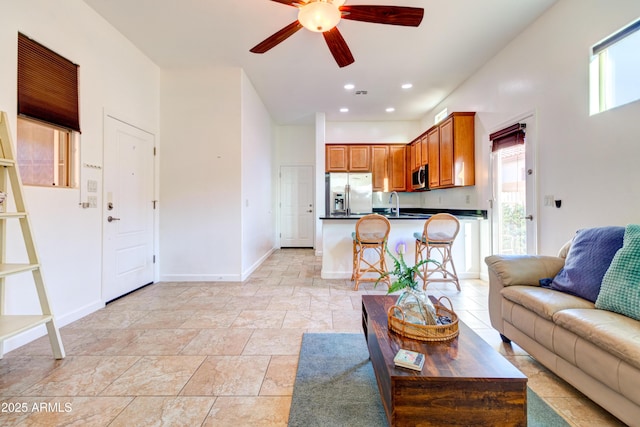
(416, 307)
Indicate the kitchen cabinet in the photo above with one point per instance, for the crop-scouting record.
(397, 168)
(389, 167)
(451, 146)
(424, 148)
(347, 158)
(415, 154)
(359, 158)
(380, 167)
(336, 158)
(433, 146)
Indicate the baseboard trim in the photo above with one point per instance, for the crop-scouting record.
(257, 264)
(35, 333)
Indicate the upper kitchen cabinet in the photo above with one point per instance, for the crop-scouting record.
(424, 147)
(347, 158)
(397, 168)
(415, 154)
(388, 166)
(359, 158)
(337, 158)
(433, 147)
(451, 146)
(380, 167)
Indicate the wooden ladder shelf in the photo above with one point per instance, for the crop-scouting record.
(11, 325)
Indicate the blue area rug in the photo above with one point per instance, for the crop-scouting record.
(336, 386)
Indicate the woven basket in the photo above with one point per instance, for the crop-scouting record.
(434, 333)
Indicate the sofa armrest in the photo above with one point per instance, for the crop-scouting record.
(523, 269)
(508, 270)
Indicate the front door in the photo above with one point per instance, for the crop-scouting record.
(128, 230)
(514, 207)
(296, 212)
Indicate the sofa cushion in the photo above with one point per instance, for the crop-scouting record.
(621, 283)
(544, 302)
(613, 332)
(589, 256)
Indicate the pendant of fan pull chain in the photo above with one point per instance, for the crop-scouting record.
(323, 16)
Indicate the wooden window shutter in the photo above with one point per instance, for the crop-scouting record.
(47, 85)
(507, 137)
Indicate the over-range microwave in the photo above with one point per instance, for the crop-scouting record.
(419, 178)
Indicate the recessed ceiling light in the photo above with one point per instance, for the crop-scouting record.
(349, 86)
(344, 110)
(390, 110)
(407, 86)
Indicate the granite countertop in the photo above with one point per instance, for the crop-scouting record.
(416, 213)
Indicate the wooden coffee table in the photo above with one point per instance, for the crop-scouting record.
(463, 381)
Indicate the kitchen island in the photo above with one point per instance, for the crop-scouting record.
(337, 244)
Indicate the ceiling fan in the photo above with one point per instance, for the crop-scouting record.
(322, 16)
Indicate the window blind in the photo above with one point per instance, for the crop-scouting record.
(508, 137)
(47, 85)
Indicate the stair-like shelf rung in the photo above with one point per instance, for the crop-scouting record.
(7, 162)
(14, 325)
(9, 269)
(12, 215)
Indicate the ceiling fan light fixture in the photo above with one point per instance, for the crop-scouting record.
(319, 16)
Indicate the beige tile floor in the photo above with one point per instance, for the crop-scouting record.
(218, 354)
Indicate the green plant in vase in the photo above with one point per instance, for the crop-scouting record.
(414, 303)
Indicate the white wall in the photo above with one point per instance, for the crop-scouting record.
(372, 132)
(200, 172)
(114, 76)
(589, 162)
(258, 179)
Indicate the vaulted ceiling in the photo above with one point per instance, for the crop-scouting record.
(299, 77)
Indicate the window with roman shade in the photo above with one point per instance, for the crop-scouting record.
(47, 85)
(508, 137)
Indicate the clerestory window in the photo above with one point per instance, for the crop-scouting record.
(615, 70)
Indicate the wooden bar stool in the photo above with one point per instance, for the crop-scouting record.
(436, 239)
(372, 232)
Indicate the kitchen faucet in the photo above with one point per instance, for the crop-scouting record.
(397, 202)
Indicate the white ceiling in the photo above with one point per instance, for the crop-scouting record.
(299, 77)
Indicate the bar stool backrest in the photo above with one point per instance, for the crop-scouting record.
(441, 228)
(372, 228)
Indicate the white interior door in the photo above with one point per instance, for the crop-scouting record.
(128, 220)
(514, 212)
(296, 206)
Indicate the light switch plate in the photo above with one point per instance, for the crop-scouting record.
(92, 186)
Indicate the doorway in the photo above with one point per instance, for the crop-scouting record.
(128, 218)
(513, 203)
(296, 207)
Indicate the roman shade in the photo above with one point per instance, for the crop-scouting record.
(47, 85)
(507, 137)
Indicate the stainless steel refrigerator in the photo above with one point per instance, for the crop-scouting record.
(349, 193)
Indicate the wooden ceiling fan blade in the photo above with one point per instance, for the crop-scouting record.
(392, 15)
(338, 47)
(277, 38)
(294, 3)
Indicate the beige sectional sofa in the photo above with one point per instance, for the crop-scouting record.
(596, 351)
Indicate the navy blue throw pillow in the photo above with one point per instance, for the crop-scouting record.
(588, 259)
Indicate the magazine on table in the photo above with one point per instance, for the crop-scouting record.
(409, 359)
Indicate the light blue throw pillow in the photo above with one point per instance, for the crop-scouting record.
(620, 291)
(588, 259)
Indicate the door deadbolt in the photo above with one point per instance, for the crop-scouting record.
(109, 206)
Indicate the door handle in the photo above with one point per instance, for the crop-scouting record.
(111, 219)
(310, 211)
(529, 217)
